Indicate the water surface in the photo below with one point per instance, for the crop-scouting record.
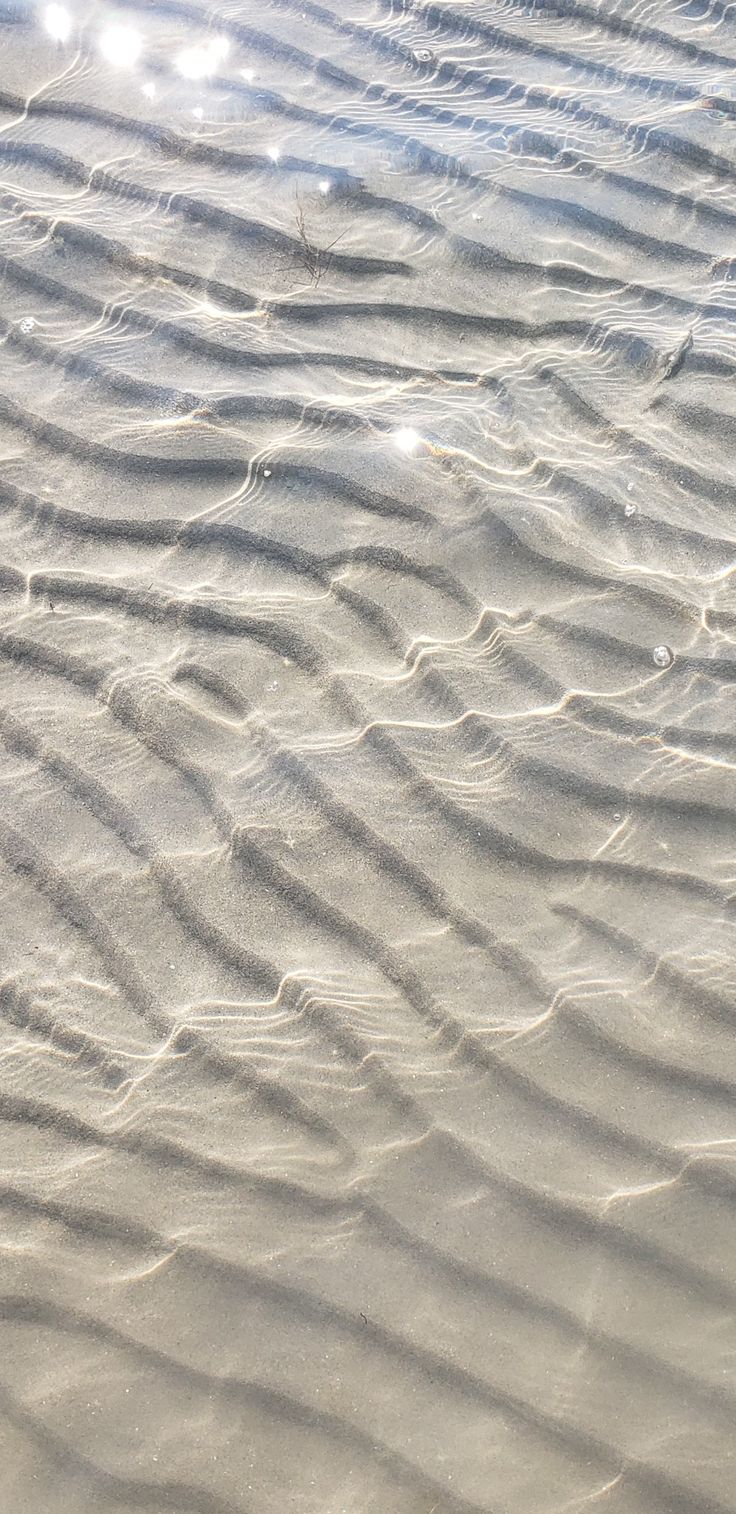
(367, 745)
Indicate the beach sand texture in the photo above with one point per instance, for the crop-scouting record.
(367, 757)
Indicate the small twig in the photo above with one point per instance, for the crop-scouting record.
(316, 259)
(672, 362)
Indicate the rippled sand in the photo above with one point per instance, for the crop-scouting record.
(367, 744)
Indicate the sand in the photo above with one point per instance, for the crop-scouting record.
(367, 745)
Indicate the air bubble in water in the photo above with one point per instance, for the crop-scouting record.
(663, 657)
(423, 55)
(27, 325)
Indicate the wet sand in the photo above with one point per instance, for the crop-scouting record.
(367, 752)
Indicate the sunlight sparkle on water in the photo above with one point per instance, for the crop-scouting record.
(58, 22)
(121, 46)
(407, 439)
(198, 62)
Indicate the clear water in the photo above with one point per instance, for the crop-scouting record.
(367, 744)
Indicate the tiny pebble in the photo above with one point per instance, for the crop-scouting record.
(267, 473)
(629, 509)
(423, 55)
(27, 324)
(663, 657)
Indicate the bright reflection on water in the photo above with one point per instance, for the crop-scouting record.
(58, 22)
(121, 45)
(407, 439)
(199, 62)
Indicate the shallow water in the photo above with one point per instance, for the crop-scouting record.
(367, 750)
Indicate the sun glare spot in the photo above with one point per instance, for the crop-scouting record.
(58, 22)
(199, 62)
(407, 439)
(121, 46)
